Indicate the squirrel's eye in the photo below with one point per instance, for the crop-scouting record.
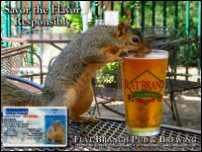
(135, 40)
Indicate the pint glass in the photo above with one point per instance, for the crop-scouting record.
(143, 83)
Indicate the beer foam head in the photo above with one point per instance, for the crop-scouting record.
(154, 54)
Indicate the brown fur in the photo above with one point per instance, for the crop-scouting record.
(81, 91)
(56, 133)
(68, 82)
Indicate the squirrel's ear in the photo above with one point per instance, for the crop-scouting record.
(124, 25)
(122, 29)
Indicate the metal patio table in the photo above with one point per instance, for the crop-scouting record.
(110, 134)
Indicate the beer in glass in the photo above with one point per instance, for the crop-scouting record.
(143, 83)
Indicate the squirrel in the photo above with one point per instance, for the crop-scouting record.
(68, 82)
(56, 133)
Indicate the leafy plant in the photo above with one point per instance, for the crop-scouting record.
(75, 21)
(109, 75)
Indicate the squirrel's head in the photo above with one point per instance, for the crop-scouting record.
(104, 44)
(126, 41)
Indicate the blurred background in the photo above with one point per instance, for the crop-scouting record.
(28, 49)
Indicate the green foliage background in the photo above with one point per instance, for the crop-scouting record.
(187, 55)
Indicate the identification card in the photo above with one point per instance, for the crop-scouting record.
(35, 126)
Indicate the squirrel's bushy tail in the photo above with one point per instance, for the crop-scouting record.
(12, 95)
